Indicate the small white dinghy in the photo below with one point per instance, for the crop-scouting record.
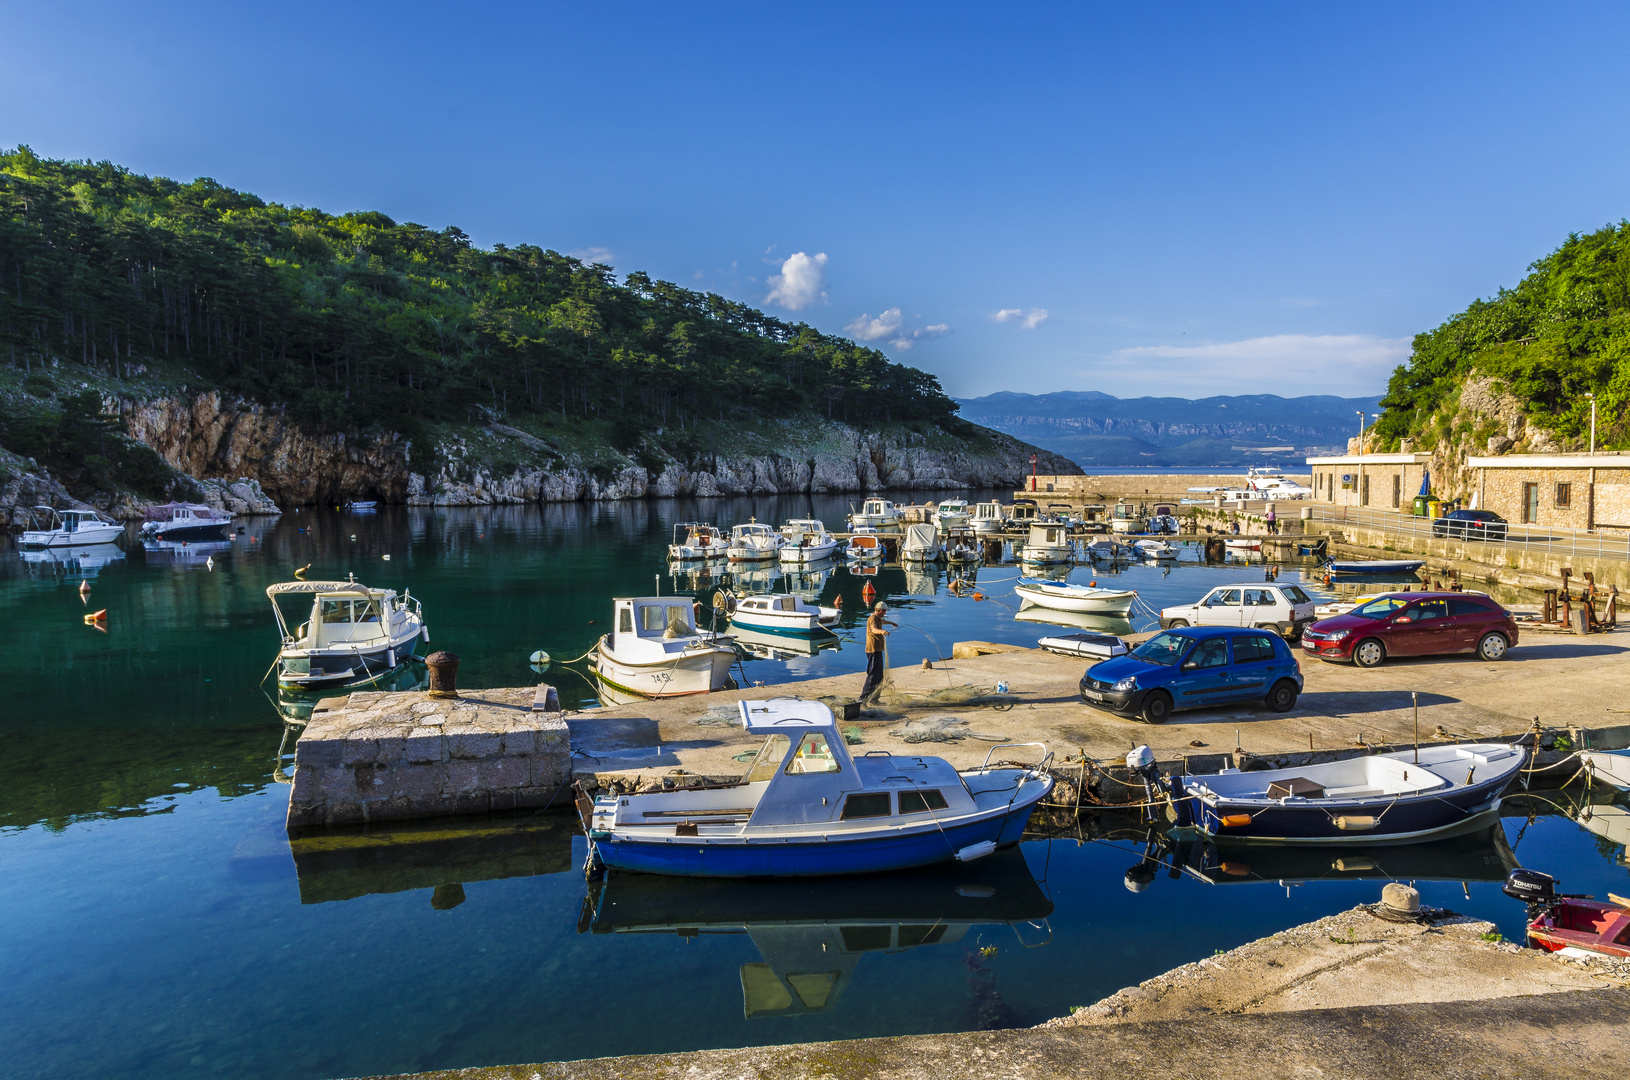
(805, 540)
(782, 613)
(656, 651)
(1086, 646)
(1154, 550)
(1067, 597)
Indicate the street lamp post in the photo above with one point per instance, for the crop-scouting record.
(1358, 488)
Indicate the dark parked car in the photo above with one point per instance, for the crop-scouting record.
(1414, 624)
(1470, 525)
(1196, 666)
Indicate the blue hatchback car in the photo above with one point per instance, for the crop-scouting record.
(1193, 667)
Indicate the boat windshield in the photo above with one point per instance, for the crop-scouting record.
(769, 758)
(1378, 609)
(1164, 649)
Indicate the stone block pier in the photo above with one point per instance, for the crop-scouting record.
(376, 756)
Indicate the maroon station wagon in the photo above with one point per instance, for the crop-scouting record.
(1413, 624)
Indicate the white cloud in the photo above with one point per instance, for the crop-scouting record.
(1026, 320)
(590, 256)
(801, 282)
(1285, 364)
(890, 326)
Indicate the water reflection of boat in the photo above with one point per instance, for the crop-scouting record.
(182, 553)
(922, 580)
(77, 560)
(764, 645)
(1479, 856)
(1117, 625)
(812, 935)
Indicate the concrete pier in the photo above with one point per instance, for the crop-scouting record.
(376, 756)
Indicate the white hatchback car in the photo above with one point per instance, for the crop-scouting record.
(1285, 609)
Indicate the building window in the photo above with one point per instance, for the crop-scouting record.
(1564, 496)
(1397, 488)
(1364, 495)
(1530, 504)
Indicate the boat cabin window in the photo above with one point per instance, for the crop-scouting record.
(787, 603)
(813, 755)
(866, 938)
(334, 611)
(625, 621)
(769, 758)
(864, 805)
(669, 620)
(916, 802)
(913, 935)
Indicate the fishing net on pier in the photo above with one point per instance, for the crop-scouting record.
(927, 696)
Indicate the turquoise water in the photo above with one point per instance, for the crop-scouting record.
(154, 920)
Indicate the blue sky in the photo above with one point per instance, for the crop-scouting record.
(1140, 199)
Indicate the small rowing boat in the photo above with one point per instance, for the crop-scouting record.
(1377, 566)
(1065, 596)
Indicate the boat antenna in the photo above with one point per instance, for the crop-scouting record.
(1415, 703)
(659, 584)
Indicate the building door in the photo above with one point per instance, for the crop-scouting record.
(1364, 493)
(1530, 503)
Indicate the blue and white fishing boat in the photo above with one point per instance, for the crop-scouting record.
(807, 808)
(782, 613)
(1382, 798)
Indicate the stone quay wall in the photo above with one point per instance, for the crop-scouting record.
(396, 756)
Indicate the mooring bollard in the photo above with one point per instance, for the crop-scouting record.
(443, 674)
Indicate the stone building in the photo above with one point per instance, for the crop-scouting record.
(1378, 481)
(1564, 491)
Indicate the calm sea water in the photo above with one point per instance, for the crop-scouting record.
(154, 920)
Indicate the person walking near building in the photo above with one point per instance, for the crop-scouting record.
(875, 634)
(1273, 521)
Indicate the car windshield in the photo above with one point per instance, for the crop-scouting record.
(1164, 649)
(1378, 609)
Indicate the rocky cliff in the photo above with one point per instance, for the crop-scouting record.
(208, 434)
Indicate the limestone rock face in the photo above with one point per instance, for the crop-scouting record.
(209, 435)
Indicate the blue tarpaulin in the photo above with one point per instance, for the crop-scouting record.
(1426, 484)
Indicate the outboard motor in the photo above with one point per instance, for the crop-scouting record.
(1142, 761)
(1533, 888)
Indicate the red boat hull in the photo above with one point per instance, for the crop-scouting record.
(1583, 924)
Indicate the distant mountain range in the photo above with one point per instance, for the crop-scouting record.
(1092, 428)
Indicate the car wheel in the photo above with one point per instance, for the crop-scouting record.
(1282, 698)
(1177, 624)
(1493, 647)
(1156, 707)
(1369, 653)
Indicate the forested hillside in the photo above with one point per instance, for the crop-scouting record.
(354, 320)
(1513, 371)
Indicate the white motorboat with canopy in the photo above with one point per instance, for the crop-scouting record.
(952, 514)
(49, 527)
(754, 542)
(185, 521)
(353, 636)
(805, 540)
(656, 651)
(697, 540)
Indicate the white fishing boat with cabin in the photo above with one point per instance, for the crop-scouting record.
(1065, 596)
(697, 540)
(1126, 519)
(805, 540)
(877, 513)
(962, 546)
(988, 518)
(354, 635)
(921, 543)
(1048, 543)
(655, 650)
(49, 527)
(754, 542)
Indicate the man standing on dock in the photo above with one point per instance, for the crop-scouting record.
(874, 651)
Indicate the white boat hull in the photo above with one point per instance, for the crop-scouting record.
(1048, 556)
(695, 671)
(1612, 769)
(752, 554)
(813, 553)
(1105, 602)
(90, 534)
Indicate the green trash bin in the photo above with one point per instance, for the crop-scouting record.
(1419, 507)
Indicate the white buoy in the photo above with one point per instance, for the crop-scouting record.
(209, 561)
(540, 659)
(387, 558)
